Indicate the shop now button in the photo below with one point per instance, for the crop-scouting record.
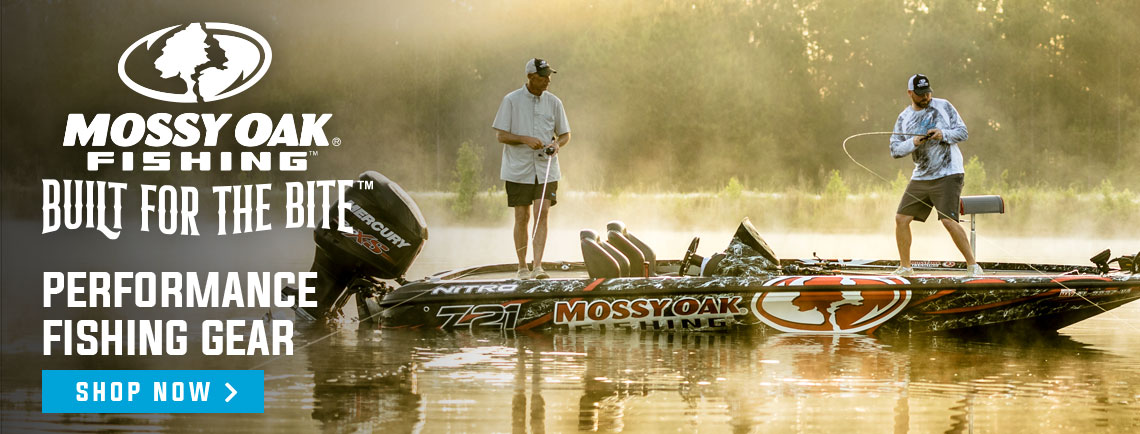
(153, 391)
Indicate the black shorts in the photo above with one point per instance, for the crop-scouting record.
(943, 194)
(526, 194)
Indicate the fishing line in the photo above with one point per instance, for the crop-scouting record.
(940, 213)
(339, 329)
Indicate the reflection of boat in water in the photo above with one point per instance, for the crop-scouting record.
(745, 285)
(646, 381)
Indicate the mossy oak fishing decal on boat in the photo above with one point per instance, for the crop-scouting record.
(650, 313)
(829, 311)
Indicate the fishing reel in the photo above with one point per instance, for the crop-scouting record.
(808, 270)
(549, 150)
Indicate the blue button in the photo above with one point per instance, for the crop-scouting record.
(153, 391)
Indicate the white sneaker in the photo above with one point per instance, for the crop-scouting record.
(524, 274)
(974, 270)
(539, 273)
(903, 271)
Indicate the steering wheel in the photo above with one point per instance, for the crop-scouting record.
(687, 260)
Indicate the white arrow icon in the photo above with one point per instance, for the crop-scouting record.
(232, 392)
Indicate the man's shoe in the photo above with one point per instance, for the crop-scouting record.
(539, 273)
(524, 274)
(974, 270)
(903, 271)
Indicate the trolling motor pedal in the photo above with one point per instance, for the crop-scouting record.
(1101, 260)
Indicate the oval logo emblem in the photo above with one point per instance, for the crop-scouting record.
(829, 311)
(196, 62)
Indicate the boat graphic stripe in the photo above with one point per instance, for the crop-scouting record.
(946, 292)
(537, 322)
(935, 296)
(1048, 293)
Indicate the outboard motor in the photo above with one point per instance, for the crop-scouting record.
(388, 232)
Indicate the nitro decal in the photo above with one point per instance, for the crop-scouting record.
(830, 311)
(196, 62)
(651, 313)
(474, 289)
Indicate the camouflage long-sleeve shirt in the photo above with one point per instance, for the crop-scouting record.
(931, 160)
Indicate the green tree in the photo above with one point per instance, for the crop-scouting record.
(466, 178)
(836, 189)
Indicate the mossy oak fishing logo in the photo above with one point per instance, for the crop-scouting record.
(829, 311)
(196, 62)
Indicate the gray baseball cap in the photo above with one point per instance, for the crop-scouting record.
(540, 67)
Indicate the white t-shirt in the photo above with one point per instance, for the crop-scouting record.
(931, 160)
(542, 117)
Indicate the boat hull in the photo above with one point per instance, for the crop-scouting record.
(829, 304)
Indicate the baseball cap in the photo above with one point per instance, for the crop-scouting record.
(919, 84)
(539, 66)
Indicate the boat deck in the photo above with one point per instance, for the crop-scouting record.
(576, 270)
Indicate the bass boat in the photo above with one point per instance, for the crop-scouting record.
(620, 284)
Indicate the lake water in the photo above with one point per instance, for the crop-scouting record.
(1084, 379)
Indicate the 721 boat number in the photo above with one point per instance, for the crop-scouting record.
(484, 315)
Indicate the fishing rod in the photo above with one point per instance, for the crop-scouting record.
(878, 133)
(549, 151)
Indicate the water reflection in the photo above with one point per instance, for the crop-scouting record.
(520, 418)
(362, 382)
(422, 381)
(409, 381)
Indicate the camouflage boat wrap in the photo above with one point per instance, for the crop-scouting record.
(797, 304)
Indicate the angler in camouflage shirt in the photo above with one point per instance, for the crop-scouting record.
(938, 170)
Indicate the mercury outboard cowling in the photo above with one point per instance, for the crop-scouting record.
(388, 232)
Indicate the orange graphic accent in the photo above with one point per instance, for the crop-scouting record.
(1063, 279)
(830, 311)
(546, 318)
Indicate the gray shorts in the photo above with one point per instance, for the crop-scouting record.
(943, 194)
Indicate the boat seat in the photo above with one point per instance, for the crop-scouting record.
(974, 205)
(637, 264)
(599, 263)
(646, 251)
(622, 260)
(989, 204)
